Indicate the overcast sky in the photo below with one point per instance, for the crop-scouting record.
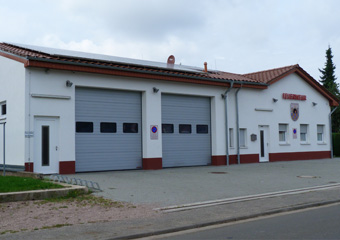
(239, 36)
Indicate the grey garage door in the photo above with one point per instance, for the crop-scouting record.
(186, 130)
(108, 130)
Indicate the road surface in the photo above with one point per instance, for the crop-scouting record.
(316, 223)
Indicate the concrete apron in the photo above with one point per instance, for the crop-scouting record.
(184, 186)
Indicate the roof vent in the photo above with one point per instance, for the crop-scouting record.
(171, 59)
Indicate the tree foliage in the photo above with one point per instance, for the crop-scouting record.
(328, 80)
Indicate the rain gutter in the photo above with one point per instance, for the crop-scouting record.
(237, 126)
(330, 129)
(4, 147)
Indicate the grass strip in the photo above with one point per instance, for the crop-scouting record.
(18, 184)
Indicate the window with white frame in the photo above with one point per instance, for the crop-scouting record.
(283, 134)
(231, 137)
(320, 133)
(243, 138)
(3, 108)
(303, 132)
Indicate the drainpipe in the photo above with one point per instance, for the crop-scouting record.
(237, 126)
(4, 148)
(330, 129)
(226, 121)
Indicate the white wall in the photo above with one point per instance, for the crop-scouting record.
(249, 99)
(12, 90)
(52, 82)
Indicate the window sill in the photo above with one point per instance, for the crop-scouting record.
(3, 118)
(305, 143)
(243, 147)
(322, 143)
(284, 144)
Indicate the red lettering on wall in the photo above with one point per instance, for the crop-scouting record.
(294, 96)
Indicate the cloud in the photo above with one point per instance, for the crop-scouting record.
(234, 35)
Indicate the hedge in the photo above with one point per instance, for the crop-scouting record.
(336, 144)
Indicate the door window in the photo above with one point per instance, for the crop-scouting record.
(45, 145)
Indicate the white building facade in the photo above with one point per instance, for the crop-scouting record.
(66, 113)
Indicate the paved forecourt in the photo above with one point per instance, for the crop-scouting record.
(174, 186)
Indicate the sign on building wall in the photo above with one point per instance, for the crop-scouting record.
(294, 133)
(294, 111)
(294, 96)
(154, 132)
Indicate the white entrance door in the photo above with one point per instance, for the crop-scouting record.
(264, 143)
(46, 157)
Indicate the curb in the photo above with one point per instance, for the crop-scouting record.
(40, 194)
(228, 220)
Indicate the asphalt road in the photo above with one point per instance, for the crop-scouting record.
(318, 223)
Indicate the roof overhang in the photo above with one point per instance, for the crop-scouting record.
(146, 74)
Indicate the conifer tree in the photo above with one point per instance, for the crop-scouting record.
(328, 74)
(328, 80)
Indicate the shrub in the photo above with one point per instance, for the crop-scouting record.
(336, 144)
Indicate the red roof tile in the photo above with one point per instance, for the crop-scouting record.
(269, 75)
(273, 75)
(29, 53)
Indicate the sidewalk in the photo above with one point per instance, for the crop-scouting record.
(191, 185)
(170, 222)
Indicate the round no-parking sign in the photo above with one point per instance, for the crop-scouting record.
(154, 132)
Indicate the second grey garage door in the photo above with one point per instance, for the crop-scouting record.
(186, 130)
(108, 130)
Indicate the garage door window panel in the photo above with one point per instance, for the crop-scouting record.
(185, 128)
(167, 128)
(84, 127)
(108, 127)
(202, 129)
(130, 127)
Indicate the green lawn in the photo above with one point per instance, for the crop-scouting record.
(17, 184)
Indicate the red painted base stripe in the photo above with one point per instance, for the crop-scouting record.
(68, 167)
(29, 167)
(274, 157)
(152, 163)
(244, 158)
